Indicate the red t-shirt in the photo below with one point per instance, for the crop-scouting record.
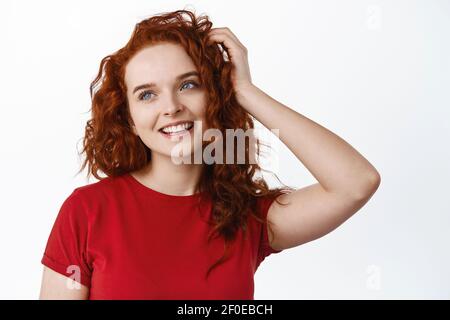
(128, 241)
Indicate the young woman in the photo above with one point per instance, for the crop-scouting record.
(159, 228)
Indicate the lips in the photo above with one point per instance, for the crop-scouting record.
(176, 134)
(176, 123)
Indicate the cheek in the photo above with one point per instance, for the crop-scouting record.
(199, 110)
(202, 115)
(143, 118)
(197, 103)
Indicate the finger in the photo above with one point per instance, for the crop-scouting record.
(223, 48)
(227, 32)
(230, 47)
(227, 40)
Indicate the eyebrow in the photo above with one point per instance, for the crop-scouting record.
(178, 78)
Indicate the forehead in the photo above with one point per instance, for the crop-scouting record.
(157, 63)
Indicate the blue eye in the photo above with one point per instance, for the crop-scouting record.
(190, 82)
(141, 96)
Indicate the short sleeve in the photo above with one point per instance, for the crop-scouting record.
(66, 249)
(264, 248)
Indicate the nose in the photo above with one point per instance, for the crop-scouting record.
(172, 106)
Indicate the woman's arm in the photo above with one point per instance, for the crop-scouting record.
(336, 165)
(346, 180)
(55, 286)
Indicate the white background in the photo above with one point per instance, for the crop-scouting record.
(377, 73)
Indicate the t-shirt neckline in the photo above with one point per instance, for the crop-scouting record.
(147, 189)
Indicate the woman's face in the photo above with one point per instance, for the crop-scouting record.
(158, 94)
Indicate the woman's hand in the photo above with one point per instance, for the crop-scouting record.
(237, 54)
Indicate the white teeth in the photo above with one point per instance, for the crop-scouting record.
(178, 128)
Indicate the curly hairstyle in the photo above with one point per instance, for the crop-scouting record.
(111, 147)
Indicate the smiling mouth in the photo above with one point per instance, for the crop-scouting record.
(177, 130)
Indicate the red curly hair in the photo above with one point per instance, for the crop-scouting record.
(111, 147)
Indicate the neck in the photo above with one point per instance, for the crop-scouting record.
(164, 176)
